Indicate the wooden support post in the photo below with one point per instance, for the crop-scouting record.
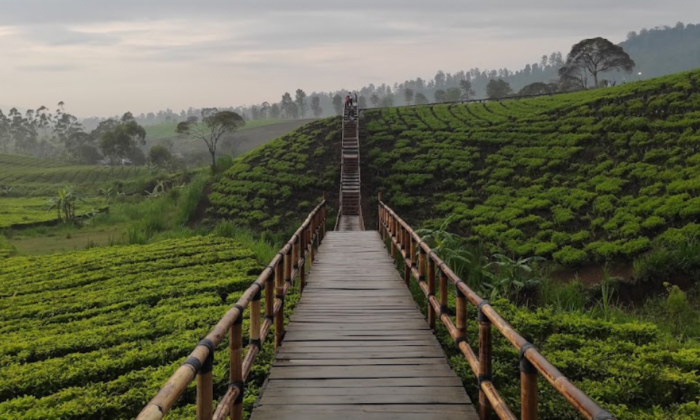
(431, 285)
(407, 245)
(392, 227)
(205, 389)
(485, 408)
(288, 263)
(528, 389)
(255, 323)
(279, 294)
(295, 255)
(380, 214)
(270, 296)
(460, 306)
(236, 366)
(302, 266)
(323, 218)
(311, 242)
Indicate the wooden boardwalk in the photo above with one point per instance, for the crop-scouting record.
(357, 346)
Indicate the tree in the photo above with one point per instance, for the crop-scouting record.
(498, 88)
(362, 102)
(275, 111)
(537, 88)
(316, 106)
(213, 126)
(421, 99)
(338, 104)
(286, 104)
(467, 91)
(595, 56)
(387, 101)
(440, 96)
(300, 100)
(452, 94)
(409, 95)
(159, 156)
(119, 138)
(374, 99)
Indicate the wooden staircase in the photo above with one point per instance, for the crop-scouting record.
(350, 197)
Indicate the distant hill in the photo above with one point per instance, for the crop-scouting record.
(664, 50)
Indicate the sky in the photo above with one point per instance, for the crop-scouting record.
(104, 58)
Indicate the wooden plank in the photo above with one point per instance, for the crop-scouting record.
(358, 348)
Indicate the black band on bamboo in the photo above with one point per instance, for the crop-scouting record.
(525, 365)
(603, 415)
(258, 295)
(195, 363)
(240, 311)
(270, 317)
(444, 310)
(208, 344)
(280, 297)
(459, 340)
(432, 254)
(430, 294)
(459, 293)
(256, 343)
(208, 364)
(241, 390)
(480, 307)
(484, 378)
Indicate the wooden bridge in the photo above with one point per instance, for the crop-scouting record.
(357, 346)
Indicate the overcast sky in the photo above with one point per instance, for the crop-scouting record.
(104, 57)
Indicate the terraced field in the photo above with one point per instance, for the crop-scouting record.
(26, 174)
(28, 210)
(93, 334)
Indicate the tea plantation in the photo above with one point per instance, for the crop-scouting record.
(94, 334)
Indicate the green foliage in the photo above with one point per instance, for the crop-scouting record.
(94, 334)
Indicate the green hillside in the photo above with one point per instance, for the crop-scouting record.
(28, 175)
(588, 177)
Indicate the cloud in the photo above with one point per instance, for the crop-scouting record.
(56, 68)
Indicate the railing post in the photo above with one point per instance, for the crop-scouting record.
(311, 241)
(255, 321)
(323, 218)
(431, 284)
(484, 361)
(295, 255)
(380, 198)
(279, 294)
(205, 388)
(460, 306)
(392, 228)
(288, 263)
(407, 247)
(236, 366)
(302, 267)
(528, 388)
(270, 296)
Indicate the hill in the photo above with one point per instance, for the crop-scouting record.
(253, 135)
(31, 176)
(598, 176)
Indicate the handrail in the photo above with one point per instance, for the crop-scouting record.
(276, 280)
(408, 244)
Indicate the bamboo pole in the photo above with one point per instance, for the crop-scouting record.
(295, 255)
(460, 308)
(302, 266)
(484, 363)
(236, 366)
(205, 388)
(528, 389)
(288, 262)
(431, 285)
(279, 295)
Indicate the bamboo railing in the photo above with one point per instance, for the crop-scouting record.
(275, 280)
(405, 242)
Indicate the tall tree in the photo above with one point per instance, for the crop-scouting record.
(498, 88)
(316, 106)
(452, 94)
(118, 139)
(338, 104)
(213, 126)
(597, 55)
(362, 102)
(467, 91)
(275, 111)
(440, 96)
(286, 104)
(374, 99)
(421, 99)
(300, 100)
(408, 95)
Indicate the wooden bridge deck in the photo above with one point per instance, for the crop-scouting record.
(357, 346)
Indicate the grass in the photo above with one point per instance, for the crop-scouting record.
(168, 130)
(17, 211)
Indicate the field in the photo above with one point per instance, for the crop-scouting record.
(32, 176)
(603, 179)
(275, 185)
(26, 210)
(94, 334)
